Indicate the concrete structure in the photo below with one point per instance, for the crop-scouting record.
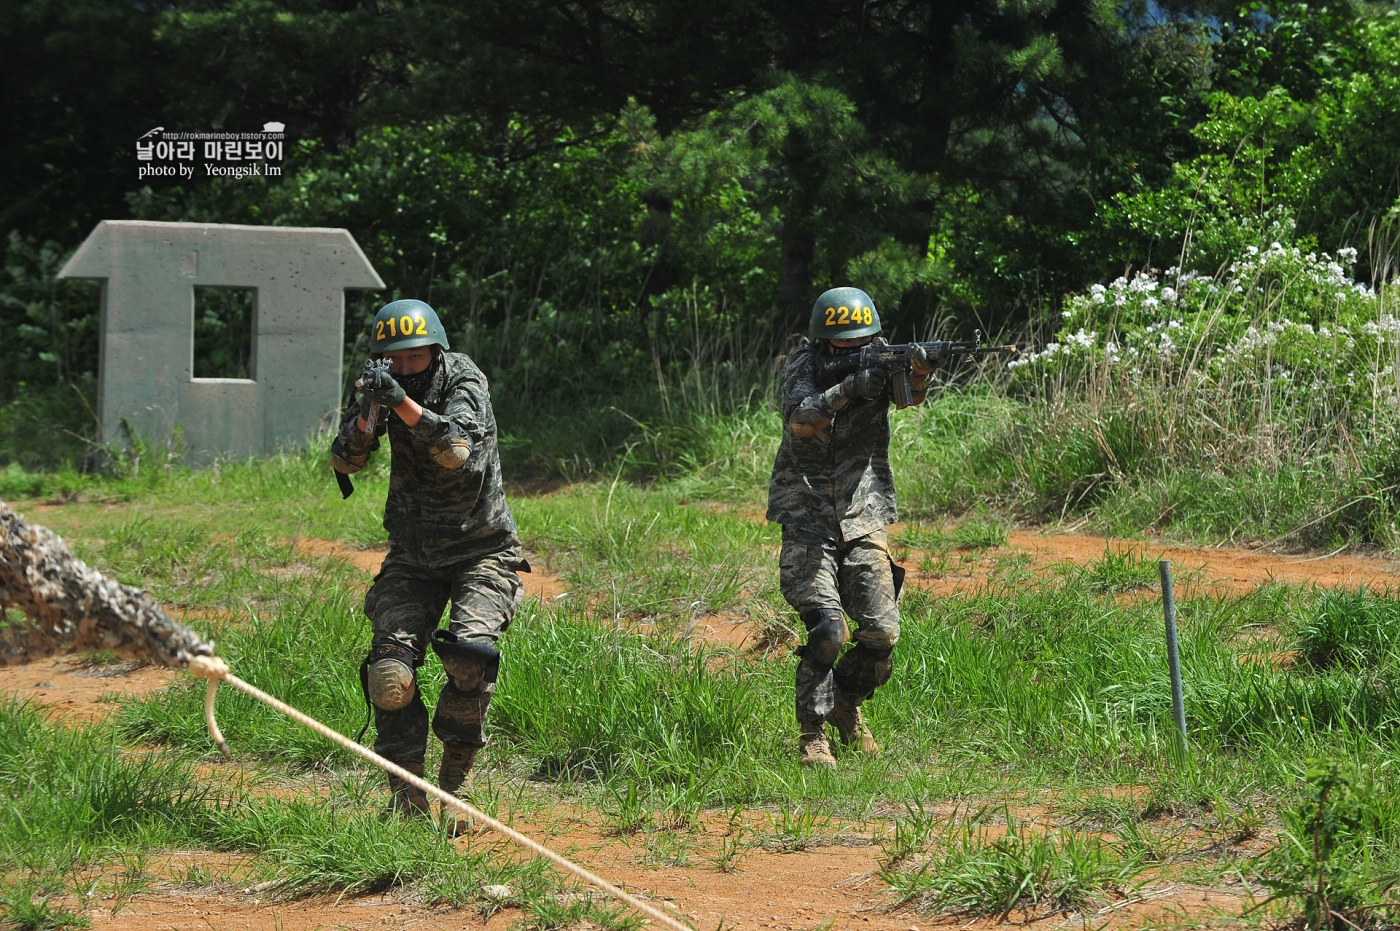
(146, 374)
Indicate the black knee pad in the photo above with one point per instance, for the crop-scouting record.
(471, 662)
(826, 635)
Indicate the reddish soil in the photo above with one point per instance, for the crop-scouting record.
(77, 690)
(725, 629)
(1279, 659)
(1215, 570)
(831, 883)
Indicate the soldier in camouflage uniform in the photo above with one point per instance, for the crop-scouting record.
(452, 540)
(833, 493)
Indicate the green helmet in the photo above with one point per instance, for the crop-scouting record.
(843, 313)
(406, 325)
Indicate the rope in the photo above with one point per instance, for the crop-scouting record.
(214, 669)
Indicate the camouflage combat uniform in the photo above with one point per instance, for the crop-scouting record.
(833, 493)
(451, 540)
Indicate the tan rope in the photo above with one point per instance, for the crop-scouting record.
(214, 669)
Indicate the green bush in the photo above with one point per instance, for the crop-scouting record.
(1335, 859)
(1350, 629)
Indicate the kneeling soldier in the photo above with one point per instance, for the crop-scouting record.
(833, 493)
(451, 540)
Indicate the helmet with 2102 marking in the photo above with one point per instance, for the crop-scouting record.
(406, 324)
(843, 313)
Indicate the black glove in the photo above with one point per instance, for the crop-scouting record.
(865, 384)
(920, 361)
(384, 390)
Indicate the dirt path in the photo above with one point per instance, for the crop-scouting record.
(832, 883)
(1212, 569)
(79, 691)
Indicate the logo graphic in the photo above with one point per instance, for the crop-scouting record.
(162, 154)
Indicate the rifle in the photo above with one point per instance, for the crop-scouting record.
(894, 358)
(373, 369)
(369, 377)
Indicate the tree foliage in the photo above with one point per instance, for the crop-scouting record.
(634, 182)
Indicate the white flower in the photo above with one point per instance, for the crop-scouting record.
(1142, 283)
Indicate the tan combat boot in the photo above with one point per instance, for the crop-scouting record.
(452, 778)
(404, 799)
(813, 746)
(850, 725)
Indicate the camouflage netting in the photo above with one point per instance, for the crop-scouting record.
(70, 607)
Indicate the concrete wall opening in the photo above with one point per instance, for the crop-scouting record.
(188, 308)
(225, 332)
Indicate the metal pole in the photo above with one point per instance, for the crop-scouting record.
(1173, 659)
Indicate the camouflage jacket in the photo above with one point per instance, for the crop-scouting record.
(446, 502)
(832, 478)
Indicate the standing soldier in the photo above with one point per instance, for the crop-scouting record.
(451, 540)
(833, 493)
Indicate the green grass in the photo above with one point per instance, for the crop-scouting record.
(973, 535)
(1051, 681)
(1336, 860)
(963, 870)
(970, 450)
(1029, 684)
(1351, 629)
(25, 906)
(75, 804)
(74, 797)
(1120, 571)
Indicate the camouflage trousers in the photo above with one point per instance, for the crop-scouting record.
(821, 579)
(405, 605)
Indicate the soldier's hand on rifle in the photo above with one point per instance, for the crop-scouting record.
(920, 361)
(866, 384)
(384, 390)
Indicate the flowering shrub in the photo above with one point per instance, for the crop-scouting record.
(1277, 320)
(1257, 404)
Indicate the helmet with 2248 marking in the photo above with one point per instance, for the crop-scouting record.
(843, 313)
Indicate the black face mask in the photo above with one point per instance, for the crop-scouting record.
(417, 385)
